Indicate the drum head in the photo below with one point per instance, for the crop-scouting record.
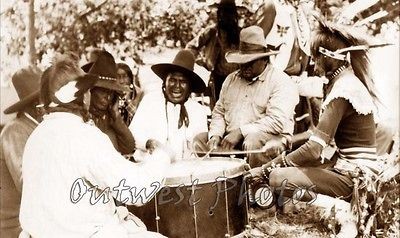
(187, 172)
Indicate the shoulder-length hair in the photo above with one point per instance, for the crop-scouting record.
(332, 37)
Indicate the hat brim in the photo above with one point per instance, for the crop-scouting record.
(114, 86)
(239, 58)
(30, 100)
(87, 67)
(196, 83)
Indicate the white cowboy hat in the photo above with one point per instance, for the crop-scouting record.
(252, 46)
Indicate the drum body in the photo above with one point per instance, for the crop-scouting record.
(201, 198)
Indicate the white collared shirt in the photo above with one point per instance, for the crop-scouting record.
(150, 122)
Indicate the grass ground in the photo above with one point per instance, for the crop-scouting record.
(297, 221)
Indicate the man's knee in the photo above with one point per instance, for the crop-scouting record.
(254, 141)
(288, 178)
(277, 178)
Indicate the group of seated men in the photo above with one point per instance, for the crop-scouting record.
(69, 126)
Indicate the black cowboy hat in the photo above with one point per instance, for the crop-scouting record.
(27, 85)
(184, 63)
(106, 69)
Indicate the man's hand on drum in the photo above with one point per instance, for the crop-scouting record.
(232, 139)
(254, 173)
(213, 142)
(152, 145)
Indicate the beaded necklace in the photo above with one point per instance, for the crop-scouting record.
(337, 72)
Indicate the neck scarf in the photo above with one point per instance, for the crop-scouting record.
(183, 115)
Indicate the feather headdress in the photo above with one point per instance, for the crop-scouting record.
(341, 43)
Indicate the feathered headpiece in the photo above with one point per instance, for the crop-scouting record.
(339, 43)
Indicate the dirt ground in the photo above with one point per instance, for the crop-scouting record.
(299, 220)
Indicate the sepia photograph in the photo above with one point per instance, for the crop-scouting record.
(199, 118)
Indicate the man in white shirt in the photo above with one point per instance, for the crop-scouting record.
(70, 167)
(171, 116)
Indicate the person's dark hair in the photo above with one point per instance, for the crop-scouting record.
(127, 69)
(228, 21)
(333, 38)
(62, 69)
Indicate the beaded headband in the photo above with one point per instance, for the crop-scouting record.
(343, 54)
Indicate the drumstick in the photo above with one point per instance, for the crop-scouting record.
(208, 153)
(237, 152)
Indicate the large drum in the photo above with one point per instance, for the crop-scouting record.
(201, 198)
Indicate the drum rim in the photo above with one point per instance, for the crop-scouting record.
(208, 177)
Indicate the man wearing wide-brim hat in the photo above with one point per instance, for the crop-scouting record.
(105, 101)
(69, 163)
(13, 138)
(170, 115)
(257, 101)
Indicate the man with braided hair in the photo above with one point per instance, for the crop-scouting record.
(171, 116)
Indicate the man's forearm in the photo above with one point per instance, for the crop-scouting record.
(126, 142)
(268, 124)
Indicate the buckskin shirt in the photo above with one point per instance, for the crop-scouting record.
(62, 150)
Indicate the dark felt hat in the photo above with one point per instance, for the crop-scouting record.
(27, 84)
(184, 63)
(106, 70)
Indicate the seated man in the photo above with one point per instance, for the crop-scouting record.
(104, 103)
(172, 117)
(13, 138)
(256, 102)
(70, 167)
(347, 118)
